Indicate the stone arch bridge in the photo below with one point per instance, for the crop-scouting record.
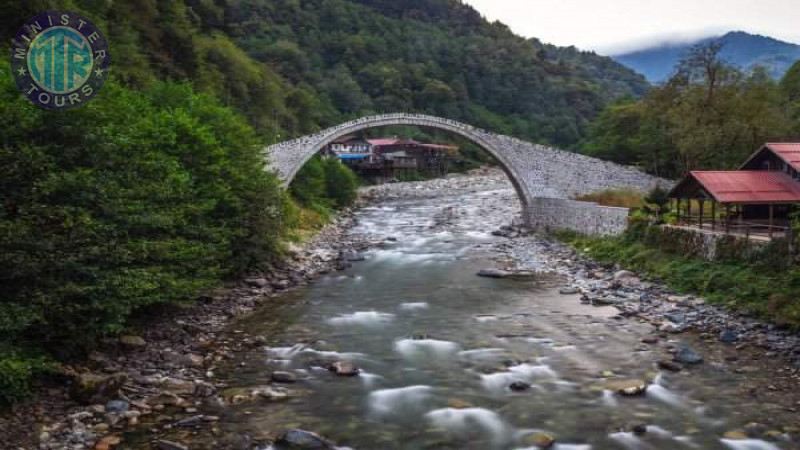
(544, 177)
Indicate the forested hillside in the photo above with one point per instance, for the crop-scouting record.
(294, 66)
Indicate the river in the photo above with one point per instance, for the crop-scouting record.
(450, 360)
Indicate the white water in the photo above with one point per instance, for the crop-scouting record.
(363, 318)
(748, 444)
(483, 354)
(417, 348)
(469, 420)
(658, 392)
(524, 372)
(414, 306)
(630, 441)
(398, 401)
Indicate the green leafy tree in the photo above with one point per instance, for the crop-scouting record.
(341, 183)
(130, 201)
(708, 115)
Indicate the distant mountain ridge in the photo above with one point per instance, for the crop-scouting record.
(740, 48)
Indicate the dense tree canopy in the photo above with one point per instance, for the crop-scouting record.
(292, 67)
(709, 115)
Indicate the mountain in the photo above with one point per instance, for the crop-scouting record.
(742, 49)
(295, 66)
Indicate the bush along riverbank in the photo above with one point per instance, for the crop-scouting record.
(118, 209)
(759, 281)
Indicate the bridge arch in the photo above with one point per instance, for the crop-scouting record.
(539, 173)
(303, 149)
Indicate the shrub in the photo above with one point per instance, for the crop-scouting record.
(17, 373)
(341, 183)
(132, 200)
(325, 183)
(623, 198)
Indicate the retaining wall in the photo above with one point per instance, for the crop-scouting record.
(558, 214)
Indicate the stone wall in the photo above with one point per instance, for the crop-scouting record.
(558, 214)
(708, 246)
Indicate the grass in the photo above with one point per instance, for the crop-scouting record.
(624, 198)
(749, 288)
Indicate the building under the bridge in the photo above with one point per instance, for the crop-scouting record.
(389, 159)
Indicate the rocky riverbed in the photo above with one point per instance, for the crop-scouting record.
(195, 378)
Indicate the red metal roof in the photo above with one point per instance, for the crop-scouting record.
(787, 151)
(383, 141)
(749, 186)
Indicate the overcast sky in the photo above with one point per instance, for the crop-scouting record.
(611, 26)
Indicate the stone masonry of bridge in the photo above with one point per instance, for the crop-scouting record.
(545, 178)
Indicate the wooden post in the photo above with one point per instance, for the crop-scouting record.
(727, 218)
(678, 210)
(713, 215)
(790, 234)
(689, 211)
(771, 219)
(739, 213)
(702, 211)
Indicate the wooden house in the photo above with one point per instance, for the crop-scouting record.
(757, 200)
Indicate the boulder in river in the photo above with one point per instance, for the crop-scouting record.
(519, 386)
(280, 376)
(352, 256)
(669, 365)
(539, 440)
(344, 368)
(628, 388)
(494, 273)
(728, 336)
(303, 440)
(163, 444)
(688, 356)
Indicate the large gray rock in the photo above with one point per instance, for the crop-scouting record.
(688, 356)
(344, 369)
(91, 388)
(303, 440)
(494, 273)
(132, 341)
(163, 444)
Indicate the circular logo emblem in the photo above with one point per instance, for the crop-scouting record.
(59, 60)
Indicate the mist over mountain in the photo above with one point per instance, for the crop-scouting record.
(743, 49)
